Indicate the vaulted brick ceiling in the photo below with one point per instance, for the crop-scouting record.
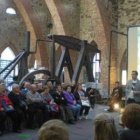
(32, 15)
(36, 16)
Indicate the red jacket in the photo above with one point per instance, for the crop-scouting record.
(5, 97)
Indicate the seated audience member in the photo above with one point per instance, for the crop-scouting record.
(116, 96)
(91, 93)
(49, 102)
(51, 87)
(25, 88)
(71, 102)
(131, 120)
(65, 111)
(40, 88)
(18, 101)
(73, 86)
(6, 109)
(104, 128)
(82, 99)
(2, 112)
(53, 130)
(2, 81)
(35, 103)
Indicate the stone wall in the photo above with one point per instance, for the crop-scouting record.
(95, 24)
(12, 30)
(128, 15)
(85, 19)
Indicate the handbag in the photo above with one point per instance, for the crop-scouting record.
(6, 107)
(54, 108)
(85, 102)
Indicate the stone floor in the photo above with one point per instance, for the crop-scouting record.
(82, 130)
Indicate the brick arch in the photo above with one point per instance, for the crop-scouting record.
(55, 13)
(102, 29)
(101, 13)
(33, 25)
(56, 9)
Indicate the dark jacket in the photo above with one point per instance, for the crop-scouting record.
(17, 100)
(59, 99)
(7, 100)
(118, 92)
(77, 96)
(130, 135)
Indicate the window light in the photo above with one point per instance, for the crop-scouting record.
(11, 11)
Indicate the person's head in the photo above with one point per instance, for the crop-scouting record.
(117, 83)
(15, 89)
(33, 88)
(59, 88)
(27, 85)
(131, 116)
(46, 89)
(63, 85)
(2, 81)
(2, 88)
(53, 130)
(134, 74)
(78, 87)
(49, 84)
(90, 91)
(68, 88)
(104, 127)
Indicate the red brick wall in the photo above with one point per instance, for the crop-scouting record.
(95, 25)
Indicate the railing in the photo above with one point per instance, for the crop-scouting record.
(3, 64)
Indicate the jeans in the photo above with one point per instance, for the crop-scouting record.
(76, 110)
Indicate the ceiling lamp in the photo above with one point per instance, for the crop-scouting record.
(11, 11)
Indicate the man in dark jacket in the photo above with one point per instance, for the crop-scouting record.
(18, 101)
(65, 111)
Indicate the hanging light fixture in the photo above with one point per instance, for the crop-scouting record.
(11, 11)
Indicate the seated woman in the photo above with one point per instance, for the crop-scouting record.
(82, 99)
(49, 101)
(71, 102)
(65, 111)
(104, 128)
(131, 120)
(6, 109)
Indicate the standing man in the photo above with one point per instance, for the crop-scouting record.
(132, 91)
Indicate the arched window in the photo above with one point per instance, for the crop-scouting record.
(7, 54)
(96, 67)
(5, 58)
